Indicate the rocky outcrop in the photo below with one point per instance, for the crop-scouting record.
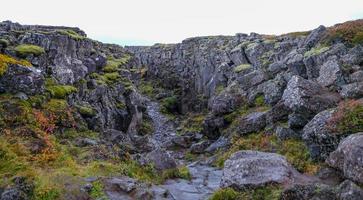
(348, 157)
(246, 169)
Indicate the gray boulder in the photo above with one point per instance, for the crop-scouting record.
(160, 159)
(284, 133)
(252, 123)
(353, 90)
(127, 189)
(200, 146)
(246, 169)
(306, 96)
(313, 38)
(17, 78)
(320, 139)
(330, 73)
(349, 191)
(348, 157)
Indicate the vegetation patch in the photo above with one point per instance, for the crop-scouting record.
(24, 50)
(270, 192)
(87, 111)
(348, 118)
(72, 34)
(242, 67)
(61, 91)
(350, 32)
(169, 105)
(4, 43)
(295, 151)
(192, 123)
(316, 51)
(6, 60)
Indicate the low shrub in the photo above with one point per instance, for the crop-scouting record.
(316, 51)
(72, 34)
(350, 32)
(169, 105)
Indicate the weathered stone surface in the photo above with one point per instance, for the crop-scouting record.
(320, 139)
(252, 123)
(303, 95)
(353, 90)
(17, 78)
(160, 159)
(330, 73)
(254, 169)
(284, 133)
(348, 157)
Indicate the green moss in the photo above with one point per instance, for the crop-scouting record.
(219, 89)
(260, 100)
(61, 91)
(4, 43)
(225, 194)
(316, 51)
(97, 190)
(71, 33)
(242, 67)
(121, 105)
(169, 104)
(147, 88)
(24, 50)
(87, 111)
(146, 127)
(180, 172)
(6, 60)
(229, 118)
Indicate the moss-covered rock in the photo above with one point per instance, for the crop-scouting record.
(61, 91)
(24, 50)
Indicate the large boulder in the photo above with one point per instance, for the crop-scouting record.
(306, 96)
(347, 190)
(252, 123)
(313, 38)
(353, 90)
(254, 169)
(17, 78)
(127, 188)
(330, 73)
(160, 159)
(348, 157)
(320, 139)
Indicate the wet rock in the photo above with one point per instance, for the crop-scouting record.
(17, 78)
(320, 139)
(348, 157)
(252, 123)
(246, 169)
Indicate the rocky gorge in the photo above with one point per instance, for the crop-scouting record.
(217, 117)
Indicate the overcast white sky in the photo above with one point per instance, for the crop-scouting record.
(144, 22)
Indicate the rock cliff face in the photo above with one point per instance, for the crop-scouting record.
(78, 108)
